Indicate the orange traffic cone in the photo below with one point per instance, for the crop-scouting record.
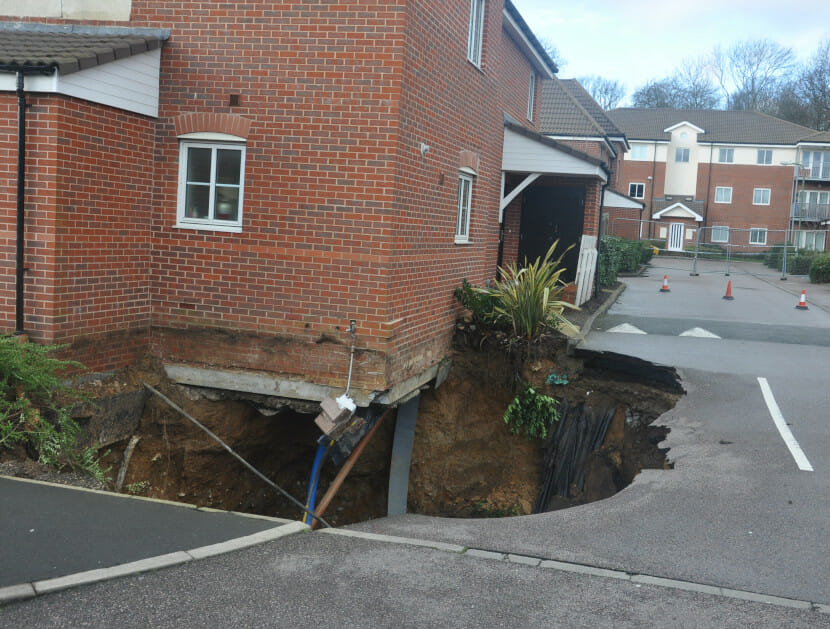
(728, 294)
(665, 288)
(802, 303)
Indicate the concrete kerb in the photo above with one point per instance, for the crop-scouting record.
(586, 327)
(542, 563)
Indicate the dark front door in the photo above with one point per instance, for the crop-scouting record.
(550, 213)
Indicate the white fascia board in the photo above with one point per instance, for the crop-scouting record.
(524, 43)
(131, 84)
(611, 198)
(819, 144)
(685, 123)
(526, 155)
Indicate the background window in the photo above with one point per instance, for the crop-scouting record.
(726, 156)
(210, 184)
(760, 196)
(723, 195)
(476, 33)
(764, 156)
(639, 151)
(531, 95)
(465, 195)
(757, 236)
(720, 234)
(681, 155)
(637, 190)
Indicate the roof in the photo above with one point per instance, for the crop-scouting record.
(561, 114)
(724, 126)
(32, 48)
(537, 49)
(584, 98)
(543, 139)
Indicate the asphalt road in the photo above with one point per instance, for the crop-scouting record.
(705, 545)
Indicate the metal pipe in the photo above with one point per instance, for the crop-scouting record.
(20, 269)
(344, 471)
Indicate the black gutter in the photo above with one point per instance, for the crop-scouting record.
(20, 269)
(21, 211)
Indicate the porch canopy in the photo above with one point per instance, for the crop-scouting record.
(526, 151)
(617, 200)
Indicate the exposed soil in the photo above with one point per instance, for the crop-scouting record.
(465, 462)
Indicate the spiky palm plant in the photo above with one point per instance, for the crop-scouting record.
(528, 298)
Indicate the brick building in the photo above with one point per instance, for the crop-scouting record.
(229, 185)
(740, 178)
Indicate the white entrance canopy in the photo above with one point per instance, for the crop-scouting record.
(615, 199)
(678, 210)
(528, 152)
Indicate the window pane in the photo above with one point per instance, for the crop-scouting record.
(228, 164)
(198, 165)
(197, 201)
(227, 203)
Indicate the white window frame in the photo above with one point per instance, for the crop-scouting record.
(764, 157)
(465, 204)
(531, 95)
(681, 155)
(639, 152)
(754, 231)
(642, 187)
(720, 229)
(723, 194)
(475, 35)
(211, 222)
(755, 193)
(726, 156)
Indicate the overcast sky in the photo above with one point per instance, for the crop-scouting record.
(637, 40)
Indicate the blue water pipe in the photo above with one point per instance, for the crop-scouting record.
(323, 446)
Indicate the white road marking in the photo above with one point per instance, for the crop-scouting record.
(700, 333)
(781, 424)
(626, 328)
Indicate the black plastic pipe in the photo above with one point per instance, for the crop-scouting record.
(21, 214)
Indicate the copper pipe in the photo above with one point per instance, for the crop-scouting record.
(347, 467)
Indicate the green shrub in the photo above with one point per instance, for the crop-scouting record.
(820, 269)
(480, 303)
(31, 410)
(531, 414)
(527, 299)
(609, 260)
(800, 264)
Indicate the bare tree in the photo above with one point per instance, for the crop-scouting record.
(553, 51)
(654, 94)
(813, 88)
(694, 85)
(607, 92)
(750, 73)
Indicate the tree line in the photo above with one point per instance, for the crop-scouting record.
(759, 75)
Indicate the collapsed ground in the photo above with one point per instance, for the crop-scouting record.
(464, 462)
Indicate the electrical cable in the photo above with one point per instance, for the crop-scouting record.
(238, 458)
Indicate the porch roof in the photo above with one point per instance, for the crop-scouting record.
(526, 151)
(610, 198)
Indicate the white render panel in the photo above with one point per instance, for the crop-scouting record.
(31, 8)
(118, 10)
(681, 177)
(523, 154)
(131, 84)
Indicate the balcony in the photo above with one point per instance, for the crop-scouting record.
(816, 172)
(813, 212)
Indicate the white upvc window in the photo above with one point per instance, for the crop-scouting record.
(720, 233)
(726, 156)
(465, 197)
(637, 190)
(817, 164)
(211, 184)
(764, 156)
(810, 240)
(681, 154)
(723, 194)
(760, 196)
(758, 236)
(531, 95)
(475, 36)
(639, 152)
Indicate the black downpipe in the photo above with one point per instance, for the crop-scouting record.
(21, 214)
